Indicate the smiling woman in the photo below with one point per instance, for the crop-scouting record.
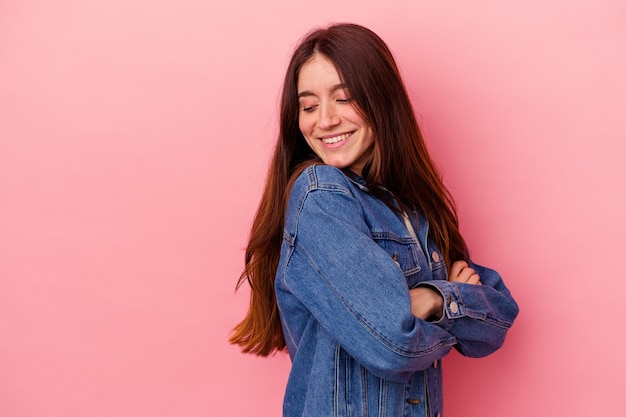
(359, 270)
(328, 121)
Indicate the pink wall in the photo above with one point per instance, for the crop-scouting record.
(134, 137)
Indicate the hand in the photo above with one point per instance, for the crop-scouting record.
(426, 303)
(461, 272)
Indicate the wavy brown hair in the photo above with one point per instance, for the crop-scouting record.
(400, 163)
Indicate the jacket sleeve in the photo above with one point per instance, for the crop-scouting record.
(353, 288)
(479, 316)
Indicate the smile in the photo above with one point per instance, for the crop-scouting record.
(336, 139)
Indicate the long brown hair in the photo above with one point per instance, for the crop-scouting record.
(400, 163)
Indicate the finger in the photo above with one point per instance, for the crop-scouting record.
(474, 279)
(465, 274)
(456, 269)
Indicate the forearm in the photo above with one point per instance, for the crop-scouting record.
(479, 316)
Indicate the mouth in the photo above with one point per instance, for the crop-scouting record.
(335, 139)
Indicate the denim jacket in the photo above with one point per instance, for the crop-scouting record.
(347, 262)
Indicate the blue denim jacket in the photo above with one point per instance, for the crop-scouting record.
(347, 263)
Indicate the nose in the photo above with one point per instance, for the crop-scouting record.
(329, 117)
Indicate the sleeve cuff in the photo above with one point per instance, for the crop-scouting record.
(452, 305)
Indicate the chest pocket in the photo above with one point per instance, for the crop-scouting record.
(405, 253)
(439, 270)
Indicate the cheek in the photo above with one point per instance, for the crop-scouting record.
(351, 113)
(304, 125)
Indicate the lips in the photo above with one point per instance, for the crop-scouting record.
(335, 139)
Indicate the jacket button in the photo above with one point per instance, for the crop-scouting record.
(454, 307)
(414, 401)
(395, 259)
(435, 256)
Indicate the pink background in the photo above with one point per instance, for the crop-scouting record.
(134, 139)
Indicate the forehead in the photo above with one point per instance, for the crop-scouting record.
(318, 73)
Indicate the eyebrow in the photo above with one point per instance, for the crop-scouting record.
(335, 87)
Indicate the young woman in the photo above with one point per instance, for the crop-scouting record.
(355, 259)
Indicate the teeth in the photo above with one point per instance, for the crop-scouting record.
(336, 139)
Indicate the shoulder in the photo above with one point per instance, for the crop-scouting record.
(321, 195)
(321, 177)
(327, 186)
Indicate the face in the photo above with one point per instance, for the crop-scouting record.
(328, 119)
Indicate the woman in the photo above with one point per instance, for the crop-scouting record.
(349, 251)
